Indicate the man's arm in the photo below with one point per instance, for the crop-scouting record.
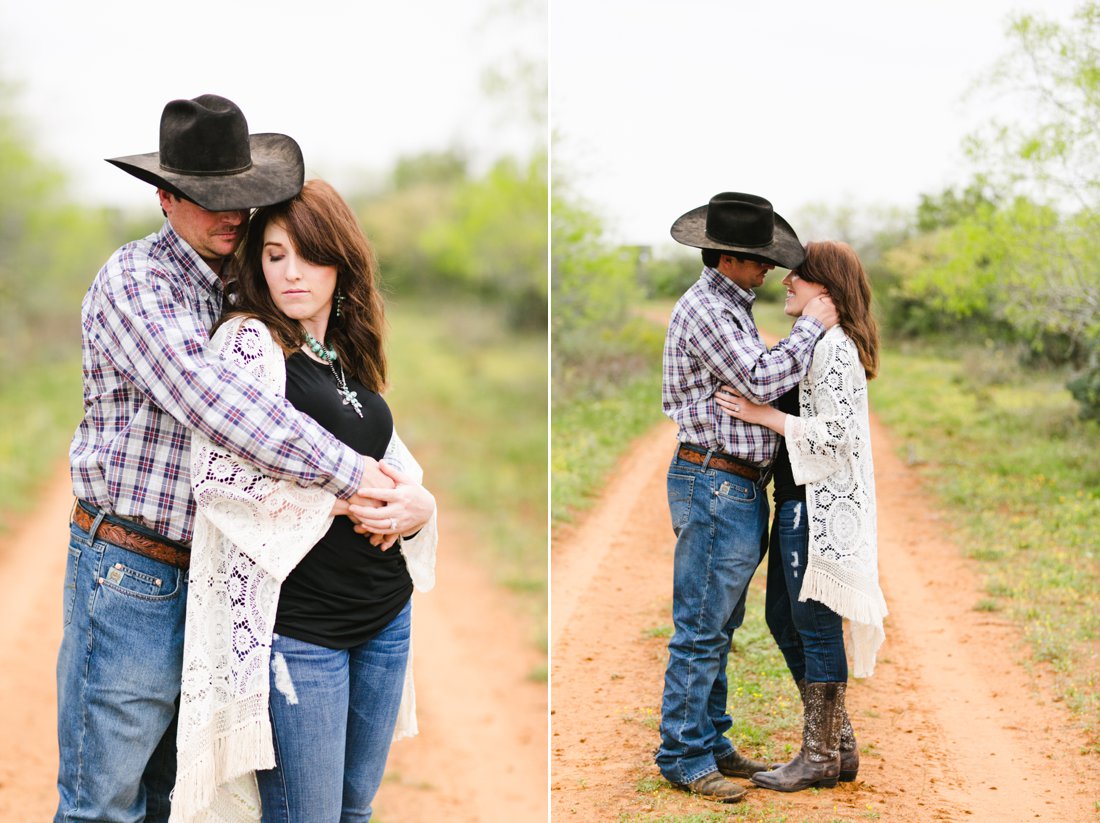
(142, 327)
(735, 357)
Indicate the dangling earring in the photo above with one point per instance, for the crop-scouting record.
(339, 300)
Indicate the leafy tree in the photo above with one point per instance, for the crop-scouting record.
(598, 339)
(495, 240)
(951, 207)
(1018, 251)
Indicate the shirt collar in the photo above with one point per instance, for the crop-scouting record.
(187, 260)
(726, 288)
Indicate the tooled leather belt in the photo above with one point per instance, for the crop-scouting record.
(161, 549)
(722, 462)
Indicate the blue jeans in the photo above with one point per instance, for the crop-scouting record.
(809, 634)
(333, 712)
(720, 520)
(118, 682)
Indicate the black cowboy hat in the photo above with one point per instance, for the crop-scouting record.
(743, 224)
(207, 156)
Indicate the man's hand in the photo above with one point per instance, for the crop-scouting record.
(821, 308)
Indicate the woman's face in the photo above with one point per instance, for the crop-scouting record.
(799, 293)
(301, 290)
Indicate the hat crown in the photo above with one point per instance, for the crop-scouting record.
(738, 219)
(206, 135)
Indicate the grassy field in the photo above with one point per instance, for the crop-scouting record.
(470, 398)
(595, 418)
(589, 436)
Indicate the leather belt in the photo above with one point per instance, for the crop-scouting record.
(722, 462)
(155, 548)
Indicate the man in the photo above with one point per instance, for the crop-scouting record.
(718, 474)
(147, 385)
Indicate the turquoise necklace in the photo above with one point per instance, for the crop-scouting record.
(329, 357)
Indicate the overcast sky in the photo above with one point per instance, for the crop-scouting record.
(659, 105)
(357, 84)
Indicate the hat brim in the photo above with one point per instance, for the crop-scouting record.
(785, 250)
(276, 174)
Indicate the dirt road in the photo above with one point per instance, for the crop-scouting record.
(952, 726)
(481, 753)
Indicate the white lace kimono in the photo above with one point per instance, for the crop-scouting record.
(250, 532)
(830, 449)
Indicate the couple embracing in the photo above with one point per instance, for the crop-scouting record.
(248, 528)
(746, 414)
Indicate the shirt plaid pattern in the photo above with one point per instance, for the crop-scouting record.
(148, 383)
(713, 340)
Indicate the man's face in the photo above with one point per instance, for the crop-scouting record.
(748, 274)
(214, 235)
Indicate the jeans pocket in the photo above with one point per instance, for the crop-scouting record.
(139, 577)
(681, 488)
(72, 566)
(736, 492)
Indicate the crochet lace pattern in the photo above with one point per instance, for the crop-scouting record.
(250, 532)
(830, 450)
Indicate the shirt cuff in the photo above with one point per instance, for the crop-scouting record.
(811, 325)
(348, 476)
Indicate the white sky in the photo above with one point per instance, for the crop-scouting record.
(658, 105)
(357, 83)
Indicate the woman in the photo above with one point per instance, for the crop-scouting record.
(297, 640)
(824, 537)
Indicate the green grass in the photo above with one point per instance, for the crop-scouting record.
(40, 407)
(470, 397)
(764, 701)
(590, 434)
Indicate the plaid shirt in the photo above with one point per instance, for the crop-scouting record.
(148, 384)
(712, 340)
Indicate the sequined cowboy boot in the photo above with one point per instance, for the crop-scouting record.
(818, 763)
(736, 764)
(849, 749)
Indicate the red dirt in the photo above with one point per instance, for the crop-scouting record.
(952, 726)
(481, 752)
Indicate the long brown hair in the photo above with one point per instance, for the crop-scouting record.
(837, 267)
(325, 232)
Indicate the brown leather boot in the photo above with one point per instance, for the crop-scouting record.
(818, 763)
(849, 750)
(712, 786)
(736, 764)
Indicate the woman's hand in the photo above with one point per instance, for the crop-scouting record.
(404, 509)
(733, 403)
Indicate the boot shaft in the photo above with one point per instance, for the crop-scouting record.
(823, 720)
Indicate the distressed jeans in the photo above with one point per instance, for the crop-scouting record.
(333, 712)
(809, 634)
(720, 521)
(118, 683)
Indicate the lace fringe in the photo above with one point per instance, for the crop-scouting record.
(223, 759)
(864, 610)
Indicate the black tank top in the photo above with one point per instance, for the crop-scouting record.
(785, 488)
(345, 590)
